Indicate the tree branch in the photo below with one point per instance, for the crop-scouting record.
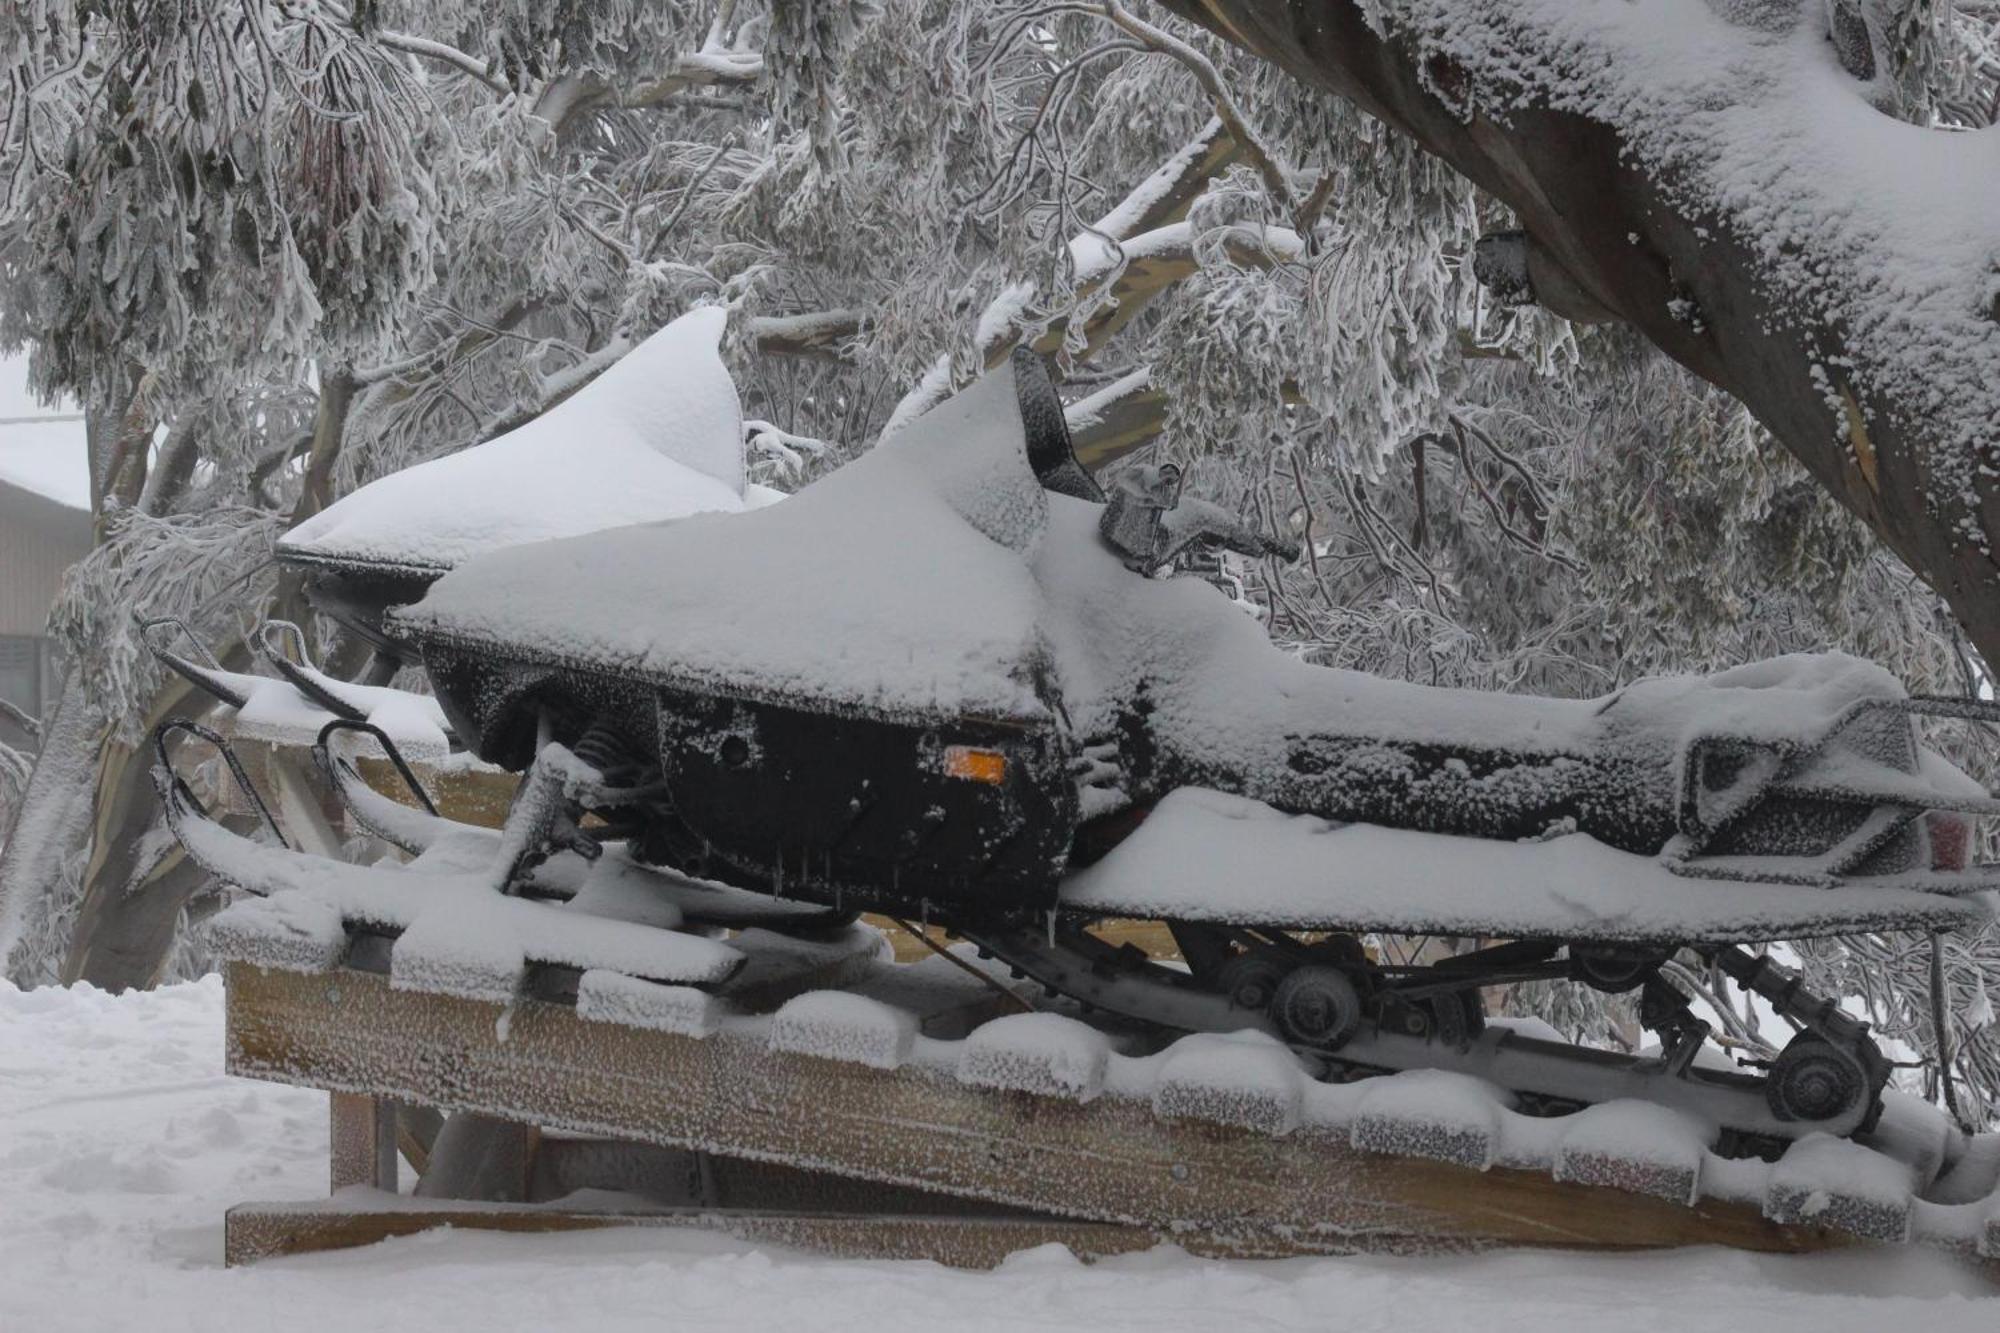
(1713, 186)
(445, 54)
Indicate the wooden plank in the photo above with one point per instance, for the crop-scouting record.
(1111, 1159)
(362, 1141)
(477, 796)
(263, 1231)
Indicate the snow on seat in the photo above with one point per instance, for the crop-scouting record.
(659, 435)
(1316, 874)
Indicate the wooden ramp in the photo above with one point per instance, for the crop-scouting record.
(839, 1096)
(844, 1126)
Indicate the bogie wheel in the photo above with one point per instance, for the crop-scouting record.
(1249, 980)
(1457, 1018)
(1613, 969)
(1813, 1079)
(1317, 1006)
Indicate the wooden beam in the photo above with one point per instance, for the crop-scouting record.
(268, 1230)
(1225, 1189)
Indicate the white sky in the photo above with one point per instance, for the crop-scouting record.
(45, 456)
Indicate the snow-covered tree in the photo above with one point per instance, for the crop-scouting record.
(283, 248)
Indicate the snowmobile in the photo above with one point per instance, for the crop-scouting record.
(956, 679)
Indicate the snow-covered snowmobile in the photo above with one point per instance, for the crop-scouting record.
(955, 679)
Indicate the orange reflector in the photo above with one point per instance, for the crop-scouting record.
(962, 761)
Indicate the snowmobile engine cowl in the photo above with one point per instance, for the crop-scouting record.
(836, 805)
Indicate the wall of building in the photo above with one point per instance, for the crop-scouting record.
(39, 539)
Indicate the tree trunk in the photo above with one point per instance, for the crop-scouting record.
(1900, 440)
(49, 828)
(134, 886)
(337, 388)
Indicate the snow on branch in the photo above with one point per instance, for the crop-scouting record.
(1122, 417)
(1113, 282)
(1717, 177)
(443, 53)
(1136, 250)
(818, 334)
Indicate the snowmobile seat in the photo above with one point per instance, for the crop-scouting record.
(658, 435)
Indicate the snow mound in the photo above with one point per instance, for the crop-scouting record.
(837, 1025)
(613, 997)
(1430, 1113)
(1837, 1182)
(1635, 1146)
(1041, 1053)
(1245, 1079)
(657, 436)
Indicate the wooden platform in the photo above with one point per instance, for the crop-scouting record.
(905, 1161)
(921, 1114)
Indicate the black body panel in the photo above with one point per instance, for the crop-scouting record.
(863, 812)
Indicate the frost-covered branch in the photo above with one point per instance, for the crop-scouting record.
(1231, 115)
(31, 725)
(444, 53)
(819, 333)
(1723, 185)
(1121, 418)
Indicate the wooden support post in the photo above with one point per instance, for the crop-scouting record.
(417, 1129)
(309, 815)
(362, 1147)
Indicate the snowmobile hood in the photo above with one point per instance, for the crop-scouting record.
(659, 435)
(898, 585)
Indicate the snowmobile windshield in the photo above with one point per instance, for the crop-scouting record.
(898, 585)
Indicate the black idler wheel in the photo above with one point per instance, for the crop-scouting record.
(1317, 1006)
(1813, 1079)
(1457, 1018)
(1251, 979)
(1611, 968)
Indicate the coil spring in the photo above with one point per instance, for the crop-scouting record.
(604, 749)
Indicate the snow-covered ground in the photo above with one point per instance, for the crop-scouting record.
(121, 1143)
